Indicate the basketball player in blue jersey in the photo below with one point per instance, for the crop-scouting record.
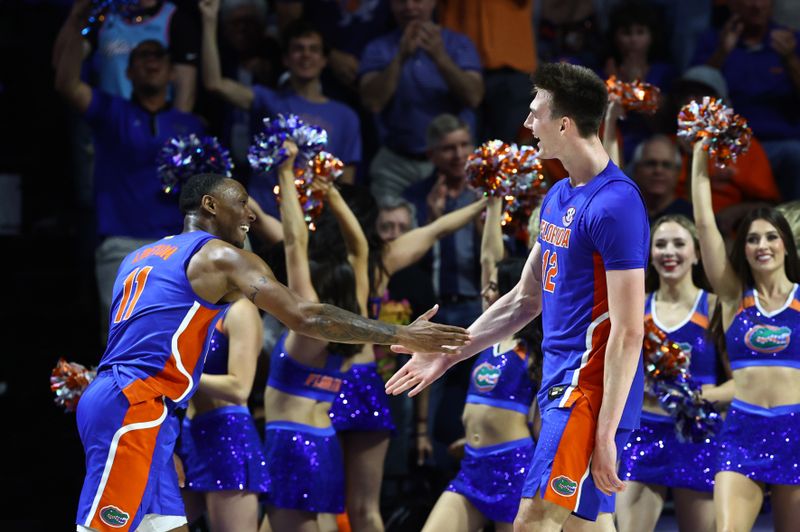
(168, 297)
(586, 275)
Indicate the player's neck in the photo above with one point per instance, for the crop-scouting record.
(585, 160)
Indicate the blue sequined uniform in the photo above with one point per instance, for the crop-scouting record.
(491, 477)
(221, 449)
(305, 463)
(362, 404)
(653, 454)
(763, 443)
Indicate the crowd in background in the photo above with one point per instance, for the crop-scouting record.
(406, 89)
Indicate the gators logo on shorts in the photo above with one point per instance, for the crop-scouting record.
(564, 486)
(113, 516)
(768, 338)
(485, 377)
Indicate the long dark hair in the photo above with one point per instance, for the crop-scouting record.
(335, 284)
(652, 280)
(509, 271)
(741, 267)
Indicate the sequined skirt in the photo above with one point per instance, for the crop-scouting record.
(762, 444)
(362, 404)
(306, 467)
(653, 455)
(221, 450)
(491, 478)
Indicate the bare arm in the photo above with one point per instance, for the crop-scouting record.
(492, 241)
(712, 247)
(245, 334)
(378, 88)
(412, 246)
(68, 55)
(234, 92)
(623, 351)
(185, 82)
(267, 228)
(610, 140)
(356, 243)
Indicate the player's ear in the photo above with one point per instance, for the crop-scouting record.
(209, 203)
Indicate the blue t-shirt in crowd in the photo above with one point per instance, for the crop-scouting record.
(759, 86)
(339, 120)
(586, 231)
(422, 93)
(127, 139)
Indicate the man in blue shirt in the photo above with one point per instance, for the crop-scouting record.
(304, 57)
(408, 77)
(130, 208)
(760, 62)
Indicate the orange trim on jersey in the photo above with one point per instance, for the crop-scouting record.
(191, 344)
(130, 471)
(571, 461)
(795, 305)
(141, 281)
(748, 301)
(700, 320)
(591, 375)
(521, 351)
(126, 294)
(647, 317)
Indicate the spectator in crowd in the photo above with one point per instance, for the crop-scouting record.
(568, 31)
(759, 60)
(739, 187)
(408, 77)
(128, 135)
(454, 264)
(174, 27)
(634, 44)
(304, 57)
(346, 27)
(251, 57)
(503, 33)
(655, 166)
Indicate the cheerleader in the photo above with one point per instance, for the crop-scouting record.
(502, 388)
(653, 460)
(360, 412)
(304, 458)
(219, 446)
(759, 444)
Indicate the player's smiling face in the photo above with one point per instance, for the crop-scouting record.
(673, 251)
(545, 127)
(233, 214)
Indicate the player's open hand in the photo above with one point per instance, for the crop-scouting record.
(425, 337)
(419, 372)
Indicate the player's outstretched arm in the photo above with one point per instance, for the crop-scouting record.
(246, 272)
(505, 317)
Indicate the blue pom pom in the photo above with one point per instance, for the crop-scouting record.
(184, 156)
(100, 8)
(267, 151)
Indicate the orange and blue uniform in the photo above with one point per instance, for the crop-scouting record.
(585, 231)
(157, 343)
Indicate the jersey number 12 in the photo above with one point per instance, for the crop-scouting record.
(549, 270)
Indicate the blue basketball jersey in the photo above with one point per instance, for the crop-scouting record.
(692, 335)
(160, 329)
(585, 231)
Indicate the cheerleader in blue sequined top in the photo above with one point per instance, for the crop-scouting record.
(360, 412)
(220, 448)
(653, 460)
(498, 447)
(304, 457)
(759, 444)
